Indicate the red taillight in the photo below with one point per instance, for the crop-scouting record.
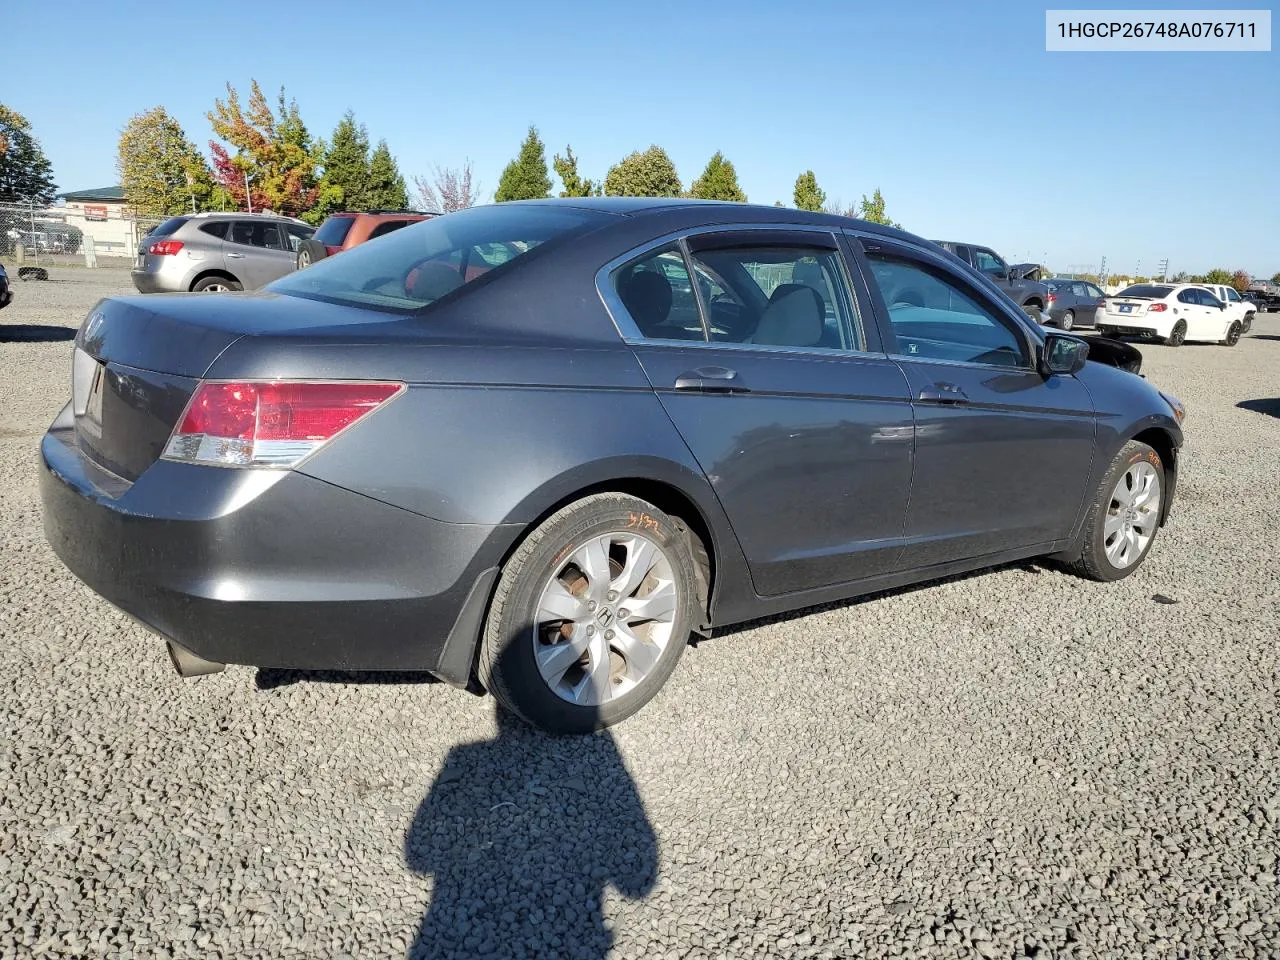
(269, 424)
(1053, 298)
(1157, 308)
(165, 248)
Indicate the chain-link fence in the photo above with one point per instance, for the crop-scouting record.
(34, 237)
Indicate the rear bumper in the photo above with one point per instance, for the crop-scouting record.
(272, 568)
(144, 281)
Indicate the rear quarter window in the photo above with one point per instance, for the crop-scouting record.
(172, 225)
(333, 232)
(215, 228)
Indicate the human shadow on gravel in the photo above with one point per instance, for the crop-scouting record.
(521, 835)
(35, 333)
(1268, 405)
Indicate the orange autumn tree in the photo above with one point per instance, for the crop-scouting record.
(272, 147)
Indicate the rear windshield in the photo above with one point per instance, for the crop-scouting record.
(169, 226)
(413, 267)
(334, 230)
(1146, 291)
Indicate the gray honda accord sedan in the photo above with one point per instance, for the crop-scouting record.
(531, 448)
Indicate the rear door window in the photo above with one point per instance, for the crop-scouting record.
(657, 294)
(257, 233)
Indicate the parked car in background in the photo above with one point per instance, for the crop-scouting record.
(342, 231)
(217, 252)
(1073, 303)
(1265, 294)
(1238, 307)
(6, 295)
(1031, 295)
(1172, 312)
(539, 478)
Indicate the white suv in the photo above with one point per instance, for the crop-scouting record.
(1237, 306)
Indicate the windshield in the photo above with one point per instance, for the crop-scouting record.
(1145, 291)
(413, 267)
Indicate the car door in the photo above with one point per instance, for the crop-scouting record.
(1003, 454)
(256, 253)
(1092, 303)
(771, 373)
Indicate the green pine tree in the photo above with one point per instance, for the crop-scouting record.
(873, 210)
(386, 187)
(566, 168)
(808, 195)
(719, 181)
(26, 175)
(345, 184)
(525, 177)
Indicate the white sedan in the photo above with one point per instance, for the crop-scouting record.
(1172, 312)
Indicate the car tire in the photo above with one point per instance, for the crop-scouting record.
(1068, 320)
(579, 562)
(1233, 334)
(1248, 323)
(1107, 550)
(1033, 312)
(1177, 335)
(215, 285)
(304, 258)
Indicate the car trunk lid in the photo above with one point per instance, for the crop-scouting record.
(138, 360)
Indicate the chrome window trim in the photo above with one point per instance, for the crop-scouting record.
(631, 335)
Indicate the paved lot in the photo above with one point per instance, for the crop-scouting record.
(1015, 764)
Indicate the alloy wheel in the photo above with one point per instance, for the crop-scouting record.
(1068, 320)
(1133, 514)
(604, 618)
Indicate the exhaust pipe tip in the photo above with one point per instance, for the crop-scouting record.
(189, 665)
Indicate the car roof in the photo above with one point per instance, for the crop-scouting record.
(721, 211)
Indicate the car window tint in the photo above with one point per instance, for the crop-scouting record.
(410, 269)
(933, 316)
(296, 233)
(1077, 289)
(1094, 291)
(387, 226)
(256, 233)
(215, 228)
(963, 252)
(658, 296)
(785, 296)
(169, 226)
(988, 262)
(1233, 293)
(1187, 296)
(334, 231)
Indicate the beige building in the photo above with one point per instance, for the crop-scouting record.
(102, 214)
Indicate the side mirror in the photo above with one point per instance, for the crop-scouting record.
(1062, 354)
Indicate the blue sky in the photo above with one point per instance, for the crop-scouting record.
(954, 110)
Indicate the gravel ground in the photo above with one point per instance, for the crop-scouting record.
(1014, 764)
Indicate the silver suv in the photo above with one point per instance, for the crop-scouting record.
(213, 252)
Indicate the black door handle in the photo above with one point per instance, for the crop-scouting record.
(943, 393)
(710, 380)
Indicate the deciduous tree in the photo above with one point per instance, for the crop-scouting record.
(643, 174)
(273, 149)
(161, 171)
(26, 176)
(807, 194)
(566, 168)
(1240, 280)
(386, 189)
(526, 177)
(449, 190)
(719, 181)
(1218, 275)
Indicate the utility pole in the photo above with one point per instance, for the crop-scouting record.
(1164, 268)
(248, 197)
(1102, 272)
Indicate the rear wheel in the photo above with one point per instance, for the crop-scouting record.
(1124, 517)
(1032, 311)
(215, 285)
(1068, 320)
(1233, 334)
(1177, 334)
(304, 258)
(591, 614)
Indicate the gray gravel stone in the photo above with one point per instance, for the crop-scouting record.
(1018, 762)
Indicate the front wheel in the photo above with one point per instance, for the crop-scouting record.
(1233, 334)
(1033, 312)
(591, 614)
(1124, 517)
(1177, 334)
(1248, 323)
